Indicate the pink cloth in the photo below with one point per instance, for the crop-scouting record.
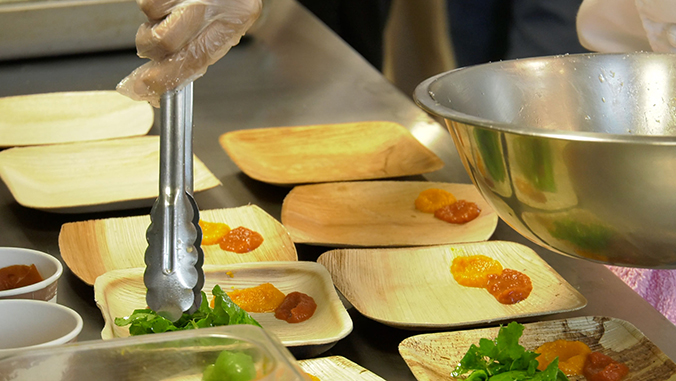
(657, 287)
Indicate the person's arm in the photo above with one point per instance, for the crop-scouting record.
(182, 38)
(617, 26)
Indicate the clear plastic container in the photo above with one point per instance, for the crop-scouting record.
(183, 355)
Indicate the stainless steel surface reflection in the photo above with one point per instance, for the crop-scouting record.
(576, 152)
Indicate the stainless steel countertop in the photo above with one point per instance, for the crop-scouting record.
(292, 71)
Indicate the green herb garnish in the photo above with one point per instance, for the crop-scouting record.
(504, 359)
(225, 312)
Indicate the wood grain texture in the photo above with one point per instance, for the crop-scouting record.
(433, 357)
(330, 152)
(337, 368)
(91, 248)
(413, 288)
(63, 117)
(95, 176)
(119, 292)
(379, 213)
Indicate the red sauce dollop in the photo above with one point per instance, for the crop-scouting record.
(510, 286)
(296, 307)
(18, 276)
(600, 367)
(458, 212)
(241, 240)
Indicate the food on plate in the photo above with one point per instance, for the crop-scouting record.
(459, 212)
(16, 276)
(241, 240)
(225, 312)
(600, 367)
(510, 286)
(430, 200)
(504, 359)
(571, 354)
(312, 377)
(506, 285)
(296, 307)
(231, 366)
(213, 232)
(473, 270)
(446, 207)
(262, 298)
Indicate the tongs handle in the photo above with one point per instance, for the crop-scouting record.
(174, 276)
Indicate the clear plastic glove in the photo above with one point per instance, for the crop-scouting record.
(182, 38)
(619, 26)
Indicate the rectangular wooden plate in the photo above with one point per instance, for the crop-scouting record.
(91, 248)
(329, 152)
(90, 176)
(65, 117)
(337, 368)
(413, 288)
(433, 357)
(119, 292)
(378, 214)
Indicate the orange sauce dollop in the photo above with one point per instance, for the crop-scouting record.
(600, 367)
(241, 240)
(572, 356)
(459, 212)
(262, 298)
(16, 276)
(296, 307)
(510, 286)
(473, 270)
(430, 200)
(212, 232)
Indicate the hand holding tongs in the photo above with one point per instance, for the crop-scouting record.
(174, 258)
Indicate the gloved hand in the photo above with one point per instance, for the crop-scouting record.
(620, 26)
(182, 38)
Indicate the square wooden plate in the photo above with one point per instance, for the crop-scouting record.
(433, 357)
(413, 288)
(90, 176)
(91, 248)
(330, 152)
(76, 116)
(119, 292)
(337, 368)
(379, 213)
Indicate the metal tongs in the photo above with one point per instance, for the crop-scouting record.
(174, 257)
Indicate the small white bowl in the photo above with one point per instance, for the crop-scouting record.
(28, 324)
(49, 267)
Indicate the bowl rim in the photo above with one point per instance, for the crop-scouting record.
(68, 337)
(35, 286)
(425, 99)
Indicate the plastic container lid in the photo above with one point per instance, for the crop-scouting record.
(182, 355)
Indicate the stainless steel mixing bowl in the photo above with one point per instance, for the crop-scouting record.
(577, 152)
